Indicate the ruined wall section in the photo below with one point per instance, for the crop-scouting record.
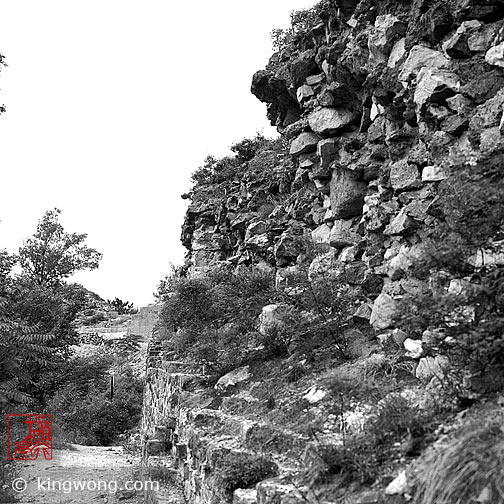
(375, 103)
(186, 440)
(390, 95)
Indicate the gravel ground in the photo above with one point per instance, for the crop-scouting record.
(81, 475)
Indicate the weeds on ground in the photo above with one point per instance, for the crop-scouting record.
(395, 429)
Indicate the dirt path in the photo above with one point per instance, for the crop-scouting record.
(81, 475)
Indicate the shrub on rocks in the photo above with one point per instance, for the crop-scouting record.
(244, 470)
(395, 427)
(212, 318)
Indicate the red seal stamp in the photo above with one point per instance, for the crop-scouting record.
(29, 435)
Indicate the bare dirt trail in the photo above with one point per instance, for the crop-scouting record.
(81, 475)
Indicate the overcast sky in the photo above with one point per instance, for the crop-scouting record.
(111, 105)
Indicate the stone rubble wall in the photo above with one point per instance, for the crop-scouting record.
(377, 101)
(183, 433)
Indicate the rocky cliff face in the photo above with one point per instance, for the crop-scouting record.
(375, 102)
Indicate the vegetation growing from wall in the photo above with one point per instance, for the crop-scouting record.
(229, 168)
(213, 318)
(301, 21)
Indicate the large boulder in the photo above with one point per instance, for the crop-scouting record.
(404, 176)
(301, 67)
(289, 247)
(273, 316)
(422, 57)
(386, 29)
(400, 224)
(399, 264)
(432, 367)
(329, 121)
(233, 378)
(346, 193)
(304, 143)
(456, 46)
(495, 55)
(321, 237)
(434, 173)
(384, 310)
(343, 234)
(304, 93)
(434, 85)
(283, 108)
(481, 40)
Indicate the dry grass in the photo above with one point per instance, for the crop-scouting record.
(468, 468)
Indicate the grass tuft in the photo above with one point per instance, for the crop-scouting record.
(469, 468)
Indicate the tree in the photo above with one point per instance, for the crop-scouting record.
(22, 345)
(52, 254)
(122, 307)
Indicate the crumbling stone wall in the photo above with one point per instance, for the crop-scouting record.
(377, 100)
(185, 438)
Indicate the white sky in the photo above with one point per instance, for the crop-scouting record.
(111, 105)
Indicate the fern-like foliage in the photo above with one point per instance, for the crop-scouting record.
(21, 345)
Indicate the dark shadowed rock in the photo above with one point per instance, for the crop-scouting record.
(347, 194)
(304, 143)
(283, 108)
(327, 151)
(303, 66)
(456, 46)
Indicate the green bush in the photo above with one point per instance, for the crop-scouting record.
(231, 168)
(330, 301)
(212, 319)
(243, 470)
(301, 21)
